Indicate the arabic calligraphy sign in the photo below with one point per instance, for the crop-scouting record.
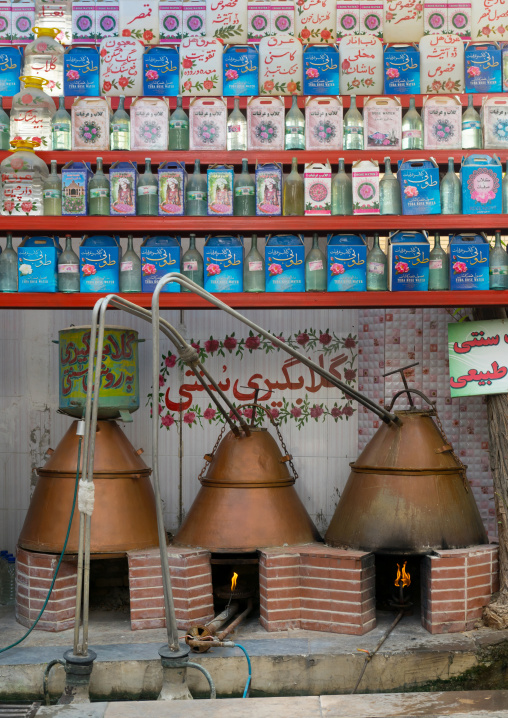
(478, 356)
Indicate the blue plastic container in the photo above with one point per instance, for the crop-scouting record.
(285, 263)
(408, 262)
(159, 256)
(160, 72)
(38, 264)
(346, 263)
(223, 258)
(469, 261)
(99, 264)
(81, 72)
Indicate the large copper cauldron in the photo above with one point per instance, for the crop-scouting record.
(247, 499)
(124, 512)
(407, 494)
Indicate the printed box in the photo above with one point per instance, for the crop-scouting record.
(84, 23)
(283, 18)
(371, 17)
(220, 179)
(208, 118)
(99, 261)
(495, 122)
(241, 68)
(161, 72)
(193, 19)
(90, 123)
(81, 72)
(442, 121)
(107, 20)
(382, 118)
(149, 124)
(265, 122)
(223, 259)
(318, 188)
(435, 17)
(365, 175)
(408, 262)
(402, 70)
(323, 123)
(5, 22)
(144, 25)
(285, 263)
(159, 256)
(123, 180)
(419, 183)
(482, 177)
(483, 67)
(441, 64)
(365, 77)
(469, 261)
(172, 179)
(38, 264)
(75, 179)
(10, 69)
(258, 21)
(320, 70)
(23, 20)
(459, 19)
(347, 263)
(121, 67)
(348, 18)
(170, 22)
(280, 65)
(269, 190)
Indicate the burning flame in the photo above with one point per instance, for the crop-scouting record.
(233, 581)
(403, 575)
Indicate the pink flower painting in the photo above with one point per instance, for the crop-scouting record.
(459, 267)
(402, 268)
(231, 75)
(337, 269)
(213, 269)
(152, 75)
(392, 73)
(149, 269)
(411, 191)
(73, 75)
(312, 73)
(474, 71)
(88, 270)
(275, 269)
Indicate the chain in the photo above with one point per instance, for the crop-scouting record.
(219, 438)
(452, 452)
(284, 447)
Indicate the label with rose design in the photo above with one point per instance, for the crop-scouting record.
(469, 261)
(44, 58)
(459, 19)
(56, 13)
(227, 20)
(435, 17)
(107, 19)
(348, 18)
(382, 123)
(283, 18)
(320, 70)
(441, 64)
(419, 181)
(402, 70)
(280, 65)
(207, 124)
(172, 179)
(403, 20)
(219, 179)
(285, 263)
(495, 122)
(265, 120)
(193, 19)
(170, 22)
(240, 67)
(201, 66)
(161, 72)
(81, 72)
(10, 68)
(149, 123)
(90, 123)
(121, 66)
(159, 256)
(408, 262)
(258, 21)
(83, 23)
(23, 20)
(223, 259)
(483, 67)
(371, 17)
(482, 177)
(123, 180)
(143, 26)
(316, 21)
(38, 264)
(323, 123)
(317, 179)
(365, 175)
(489, 20)
(99, 264)
(361, 65)
(5, 22)
(347, 263)
(442, 119)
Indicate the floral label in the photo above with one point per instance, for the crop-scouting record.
(207, 122)
(258, 22)
(161, 72)
(256, 266)
(489, 19)
(149, 124)
(140, 20)
(172, 180)
(158, 257)
(318, 189)
(55, 14)
(227, 20)
(481, 185)
(68, 268)
(75, 178)
(10, 68)
(283, 18)
(459, 19)
(348, 18)
(495, 123)
(5, 22)
(223, 260)
(435, 17)
(193, 19)
(201, 66)
(241, 70)
(107, 20)
(361, 65)
(269, 190)
(265, 120)
(83, 23)
(365, 187)
(285, 264)
(323, 124)
(99, 259)
(402, 70)
(419, 182)
(280, 65)
(170, 22)
(442, 119)
(37, 265)
(81, 72)
(122, 182)
(316, 21)
(442, 64)
(382, 124)
(483, 68)
(408, 262)
(469, 261)
(121, 67)
(371, 18)
(45, 60)
(321, 71)
(23, 20)
(220, 191)
(90, 124)
(403, 20)
(21, 195)
(347, 263)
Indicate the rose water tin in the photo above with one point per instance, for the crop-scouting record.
(159, 256)
(323, 123)
(170, 22)
(149, 124)
(408, 262)
(161, 72)
(265, 120)
(107, 19)
(81, 71)
(99, 260)
(346, 263)
(442, 120)
(241, 68)
(172, 180)
(482, 177)
(403, 20)
(38, 264)
(469, 261)
(220, 180)
(489, 19)
(435, 17)
(361, 65)
(441, 64)
(123, 180)
(317, 179)
(207, 123)
(84, 22)
(283, 18)
(268, 190)
(316, 21)
(121, 67)
(75, 179)
(419, 182)
(320, 70)
(382, 123)
(495, 123)
(5, 22)
(402, 70)
(90, 123)
(144, 25)
(348, 18)
(280, 65)
(10, 70)
(23, 20)
(223, 259)
(201, 66)
(285, 263)
(483, 67)
(371, 17)
(365, 175)
(258, 21)
(459, 18)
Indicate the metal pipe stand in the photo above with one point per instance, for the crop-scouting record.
(78, 670)
(174, 674)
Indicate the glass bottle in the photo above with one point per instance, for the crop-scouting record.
(315, 268)
(130, 269)
(120, 128)
(43, 57)
(61, 128)
(68, 268)
(179, 128)
(412, 128)
(342, 192)
(4, 127)
(32, 112)
(8, 267)
(293, 200)
(504, 191)
(237, 129)
(192, 263)
(254, 269)
(390, 201)
(196, 193)
(23, 175)
(451, 191)
(498, 265)
(244, 202)
(439, 267)
(377, 268)
(148, 198)
(98, 193)
(353, 127)
(295, 127)
(52, 192)
(472, 138)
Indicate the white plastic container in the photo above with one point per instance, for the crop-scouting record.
(323, 123)
(442, 121)
(90, 118)
(265, 123)
(51, 13)
(44, 58)
(201, 66)
(382, 123)
(22, 174)
(207, 124)
(144, 25)
(32, 112)
(121, 66)
(495, 122)
(403, 21)
(361, 65)
(149, 123)
(316, 21)
(441, 64)
(489, 19)
(280, 65)
(227, 20)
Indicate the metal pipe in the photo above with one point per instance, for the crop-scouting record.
(237, 621)
(221, 618)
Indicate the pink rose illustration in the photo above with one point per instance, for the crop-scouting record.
(459, 267)
(161, 381)
(17, 163)
(213, 269)
(348, 411)
(26, 99)
(149, 269)
(436, 86)
(187, 85)
(450, 86)
(167, 420)
(152, 75)
(230, 343)
(9, 206)
(302, 339)
(211, 346)
(501, 30)
(312, 72)
(296, 412)
(27, 206)
(51, 84)
(170, 361)
(350, 343)
(275, 269)
(392, 73)
(316, 411)
(275, 413)
(252, 342)
(486, 30)
(337, 269)
(402, 268)
(231, 75)
(73, 75)
(209, 414)
(325, 339)
(473, 71)
(41, 47)
(189, 417)
(411, 191)
(88, 270)
(366, 191)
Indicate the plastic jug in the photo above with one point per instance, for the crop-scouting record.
(44, 58)
(22, 174)
(32, 112)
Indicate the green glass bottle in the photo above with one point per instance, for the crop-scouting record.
(148, 198)
(342, 192)
(120, 128)
(192, 263)
(451, 191)
(472, 137)
(244, 190)
(377, 268)
(353, 127)
(8, 267)
(295, 127)
(196, 193)
(178, 128)
(237, 129)
(4, 127)
(439, 267)
(52, 192)
(390, 201)
(254, 269)
(98, 193)
(412, 128)
(61, 128)
(498, 265)
(504, 190)
(68, 268)
(293, 195)
(315, 268)
(130, 269)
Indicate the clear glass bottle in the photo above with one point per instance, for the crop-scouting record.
(130, 269)
(295, 127)
(8, 267)
(390, 201)
(412, 128)
(192, 263)
(353, 127)
(254, 269)
(147, 193)
(377, 268)
(23, 175)
(504, 190)
(179, 128)
(293, 194)
(237, 129)
(244, 190)
(196, 193)
(68, 268)
(98, 193)
(439, 267)
(498, 265)
(32, 112)
(52, 192)
(43, 57)
(315, 268)
(472, 136)
(61, 128)
(120, 128)
(4, 127)
(451, 191)
(342, 192)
